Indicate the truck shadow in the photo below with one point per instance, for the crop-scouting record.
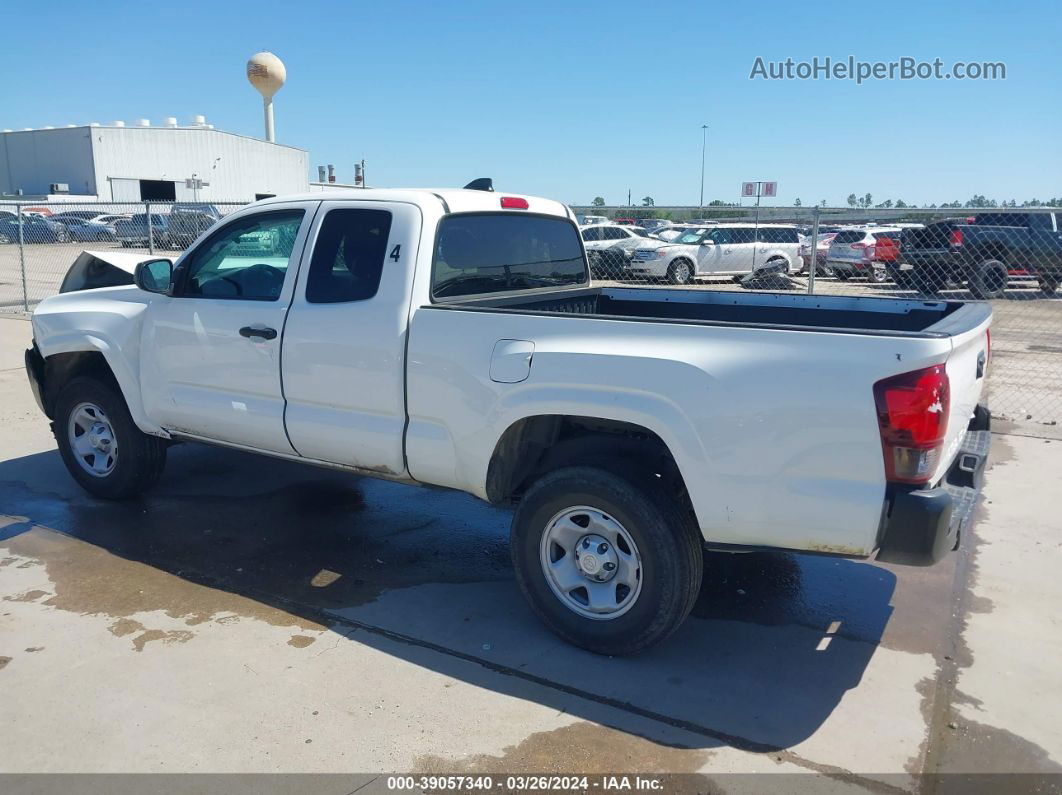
(775, 642)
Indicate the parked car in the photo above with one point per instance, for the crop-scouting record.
(981, 251)
(81, 215)
(652, 224)
(134, 231)
(822, 247)
(624, 220)
(670, 233)
(628, 430)
(732, 249)
(187, 225)
(84, 231)
(864, 251)
(608, 246)
(35, 229)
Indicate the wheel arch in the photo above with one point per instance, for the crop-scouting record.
(93, 356)
(534, 445)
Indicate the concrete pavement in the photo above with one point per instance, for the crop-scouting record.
(253, 615)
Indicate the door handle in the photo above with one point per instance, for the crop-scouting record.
(264, 333)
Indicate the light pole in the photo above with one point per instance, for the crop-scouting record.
(704, 148)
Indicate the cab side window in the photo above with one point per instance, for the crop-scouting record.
(244, 260)
(349, 256)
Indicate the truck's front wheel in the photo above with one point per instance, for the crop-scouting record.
(100, 444)
(606, 562)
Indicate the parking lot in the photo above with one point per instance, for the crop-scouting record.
(254, 615)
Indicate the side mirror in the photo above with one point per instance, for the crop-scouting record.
(154, 275)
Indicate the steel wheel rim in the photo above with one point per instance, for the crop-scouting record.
(578, 546)
(92, 440)
(682, 272)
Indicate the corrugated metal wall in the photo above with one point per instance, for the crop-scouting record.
(246, 167)
(31, 160)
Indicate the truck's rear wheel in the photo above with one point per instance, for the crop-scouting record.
(100, 444)
(606, 563)
(1048, 283)
(988, 280)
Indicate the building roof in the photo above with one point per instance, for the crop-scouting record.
(195, 128)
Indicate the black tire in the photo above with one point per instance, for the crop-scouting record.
(674, 276)
(140, 458)
(666, 537)
(842, 275)
(1048, 283)
(902, 279)
(877, 276)
(988, 280)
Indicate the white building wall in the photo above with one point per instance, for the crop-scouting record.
(247, 166)
(31, 160)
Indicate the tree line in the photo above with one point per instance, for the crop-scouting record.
(866, 201)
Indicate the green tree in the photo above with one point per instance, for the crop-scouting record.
(900, 204)
(648, 201)
(598, 202)
(822, 203)
(852, 200)
(868, 200)
(797, 202)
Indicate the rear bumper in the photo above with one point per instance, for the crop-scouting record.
(920, 526)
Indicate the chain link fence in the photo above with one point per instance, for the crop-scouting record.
(40, 242)
(1009, 256)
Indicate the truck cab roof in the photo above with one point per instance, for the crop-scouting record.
(452, 200)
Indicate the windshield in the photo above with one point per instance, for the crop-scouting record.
(494, 252)
(691, 237)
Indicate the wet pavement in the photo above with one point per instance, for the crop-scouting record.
(336, 623)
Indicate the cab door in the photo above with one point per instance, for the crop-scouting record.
(210, 358)
(344, 362)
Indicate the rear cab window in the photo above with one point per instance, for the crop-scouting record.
(479, 253)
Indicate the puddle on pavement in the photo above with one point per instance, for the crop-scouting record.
(88, 580)
(581, 748)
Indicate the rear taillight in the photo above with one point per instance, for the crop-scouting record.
(913, 420)
(956, 237)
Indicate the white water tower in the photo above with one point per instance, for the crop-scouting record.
(267, 74)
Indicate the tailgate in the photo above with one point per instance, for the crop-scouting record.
(967, 367)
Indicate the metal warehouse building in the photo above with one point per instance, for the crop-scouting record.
(142, 162)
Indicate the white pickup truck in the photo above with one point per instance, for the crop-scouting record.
(453, 338)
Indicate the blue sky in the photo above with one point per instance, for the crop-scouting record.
(575, 99)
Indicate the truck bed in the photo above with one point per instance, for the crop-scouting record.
(880, 316)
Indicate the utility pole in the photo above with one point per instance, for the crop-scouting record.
(704, 149)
